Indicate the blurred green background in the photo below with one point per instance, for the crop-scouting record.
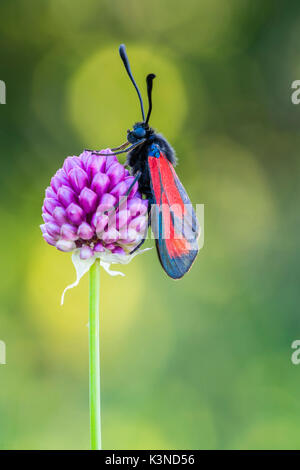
(203, 363)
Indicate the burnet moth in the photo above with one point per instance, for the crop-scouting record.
(171, 215)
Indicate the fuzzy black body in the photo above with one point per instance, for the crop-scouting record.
(171, 216)
(137, 159)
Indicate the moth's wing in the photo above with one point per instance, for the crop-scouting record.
(173, 219)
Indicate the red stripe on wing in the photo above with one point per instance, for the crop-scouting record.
(169, 186)
(166, 194)
(155, 178)
(175, 243)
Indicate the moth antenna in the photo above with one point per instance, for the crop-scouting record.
(149, 80)
(124, 57)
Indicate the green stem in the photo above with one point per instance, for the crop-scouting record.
(94, 354)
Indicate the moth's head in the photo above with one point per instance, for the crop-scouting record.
(140, 130)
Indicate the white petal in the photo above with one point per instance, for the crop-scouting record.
(106, 266)
(82, 266)
(107, 258)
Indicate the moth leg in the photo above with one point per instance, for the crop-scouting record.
(144, 237)
(121, 147)
(146, 230)
(97, 152)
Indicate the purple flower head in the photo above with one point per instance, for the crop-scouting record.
(79, 209)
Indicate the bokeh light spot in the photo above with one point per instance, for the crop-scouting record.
(103, 103)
